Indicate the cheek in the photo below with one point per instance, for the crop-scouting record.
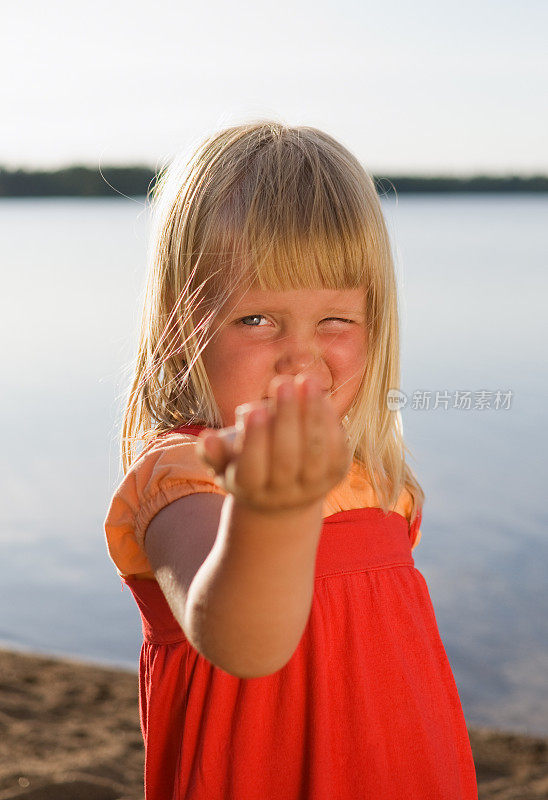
(234, 368)
(243, 355)
(348, 355)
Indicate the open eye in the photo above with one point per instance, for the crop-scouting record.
(241, 321)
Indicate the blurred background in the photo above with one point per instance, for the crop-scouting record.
(421, 90)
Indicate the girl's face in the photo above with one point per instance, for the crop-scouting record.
(319, 332)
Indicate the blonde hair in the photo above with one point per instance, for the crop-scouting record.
(253, 201)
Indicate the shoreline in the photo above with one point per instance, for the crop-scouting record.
(70, 728)
(8, 646)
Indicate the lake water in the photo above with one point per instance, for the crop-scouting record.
(473, 285)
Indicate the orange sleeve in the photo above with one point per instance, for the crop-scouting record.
(414, 530)
(355, 491)
(166, 471)
(405, 508)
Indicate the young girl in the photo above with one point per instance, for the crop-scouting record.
(265, 529)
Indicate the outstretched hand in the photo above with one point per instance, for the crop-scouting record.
(285, 455)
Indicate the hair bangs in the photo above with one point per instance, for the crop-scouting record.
(291, 221)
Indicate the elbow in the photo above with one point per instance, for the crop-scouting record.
(236, 655)
(235, 661)
(246, 671)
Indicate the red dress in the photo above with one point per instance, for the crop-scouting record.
(367, 706)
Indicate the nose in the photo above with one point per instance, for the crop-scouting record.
(300, 357)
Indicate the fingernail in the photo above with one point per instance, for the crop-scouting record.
(258, 416)
(311, 387)
(241, 412)
(286, 390)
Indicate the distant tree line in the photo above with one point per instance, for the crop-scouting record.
(80, 181)
(475, 183)
(77, 181)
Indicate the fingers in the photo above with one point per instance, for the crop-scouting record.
(288, 452)
(213, 450)
(316, 435)
(286, 436)
(251, 469)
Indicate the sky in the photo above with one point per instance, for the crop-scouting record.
(423, 87)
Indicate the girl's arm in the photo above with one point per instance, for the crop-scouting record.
(239, 582)
(239, 577)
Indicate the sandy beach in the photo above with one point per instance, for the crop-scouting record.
(70, 731)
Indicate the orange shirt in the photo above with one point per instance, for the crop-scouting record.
(170, 468)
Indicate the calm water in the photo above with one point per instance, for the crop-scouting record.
(473, 282)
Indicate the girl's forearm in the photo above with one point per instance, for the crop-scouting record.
(249, 602)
